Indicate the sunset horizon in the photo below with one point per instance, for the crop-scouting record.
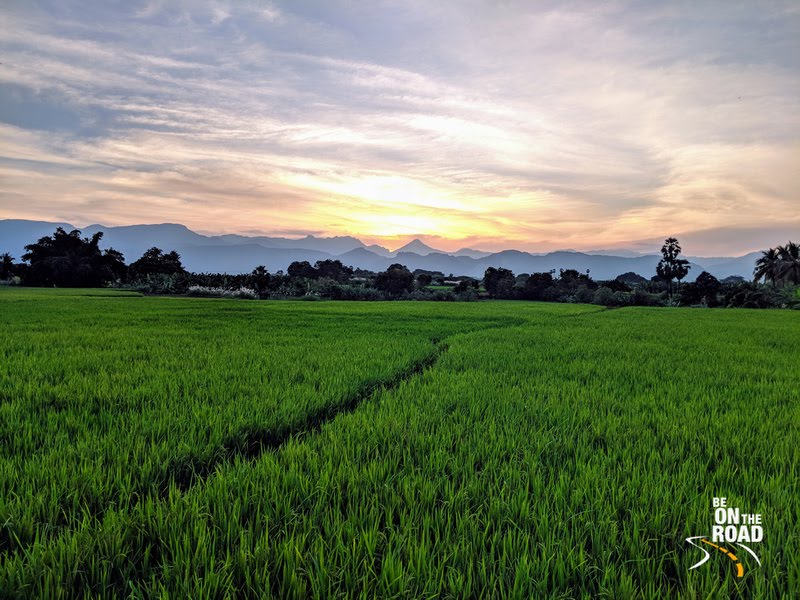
(537, 127)
(702, 243)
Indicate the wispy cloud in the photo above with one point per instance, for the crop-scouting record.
(560, 125)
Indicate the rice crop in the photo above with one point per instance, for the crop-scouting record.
(213, 448)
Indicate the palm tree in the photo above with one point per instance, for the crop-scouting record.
(671, 267)
(789, 263)
(767, 266)
(779, 265)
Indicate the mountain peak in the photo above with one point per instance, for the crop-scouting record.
(417, 246)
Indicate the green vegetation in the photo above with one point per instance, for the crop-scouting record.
(67, 260)
(779, 265)
(213, 448)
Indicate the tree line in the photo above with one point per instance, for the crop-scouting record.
(66, 259)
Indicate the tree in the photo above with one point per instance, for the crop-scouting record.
(704, 290)
(424, 279)
(632, 279)
(333, 269)
(6, 266)
(463, 285)
(116, 263)
(68, 260)
(767, 266)
(499, 283)
(732, 279)
(260, 280)
(536, 285)
(779, 265)
(670, 266)
(155, 262)
(572, 278)
(789, 263)
(302, 269)
(615, 285)
(395, 280)
(707, 284)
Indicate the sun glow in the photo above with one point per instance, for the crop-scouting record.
(388, 207)
(397, 225)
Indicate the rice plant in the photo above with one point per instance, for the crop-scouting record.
(156, 447)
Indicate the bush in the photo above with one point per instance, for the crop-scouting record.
(442, 296)
(212, 292)
(160, 283)
(605, 296)
(753, 295)
(641, 297)
(586, 296)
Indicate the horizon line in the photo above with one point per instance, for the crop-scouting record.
(411, 239)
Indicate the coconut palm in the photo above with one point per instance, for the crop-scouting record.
(789, 263)
(671, 267)
(767, 266)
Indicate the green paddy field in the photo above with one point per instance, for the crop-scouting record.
(196, 448)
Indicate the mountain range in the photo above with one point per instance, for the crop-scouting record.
(241, 254)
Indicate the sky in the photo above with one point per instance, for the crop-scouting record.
(486, 124)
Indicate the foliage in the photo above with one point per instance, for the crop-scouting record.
(322, 269)
(536, 286)
(466, 286)
(333, 269)
(212, 292)
(68, 260)
(616, 285)
(499, 283)
(260, 280)
(752, 295)
(162, 283)
(159, 272)
(606, 296)
(779, 265)
(424, 279)
(670, 266)
(570, 279)
(396, 280)
(631, 279)
(186, 448)
(156, 262)
(301, 269)
(704, 290)
(6, 266)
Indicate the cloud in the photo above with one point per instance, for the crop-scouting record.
(539, 126)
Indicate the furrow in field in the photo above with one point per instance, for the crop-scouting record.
(252, 442)
(171, 389)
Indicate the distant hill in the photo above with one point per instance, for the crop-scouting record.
(15, 234)
(240, 254)
(379, 250)
(471, 253)
(243, 258)
(722, 267)
(618, 252)
(417, 247)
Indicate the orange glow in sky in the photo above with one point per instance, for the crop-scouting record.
(584, 126)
